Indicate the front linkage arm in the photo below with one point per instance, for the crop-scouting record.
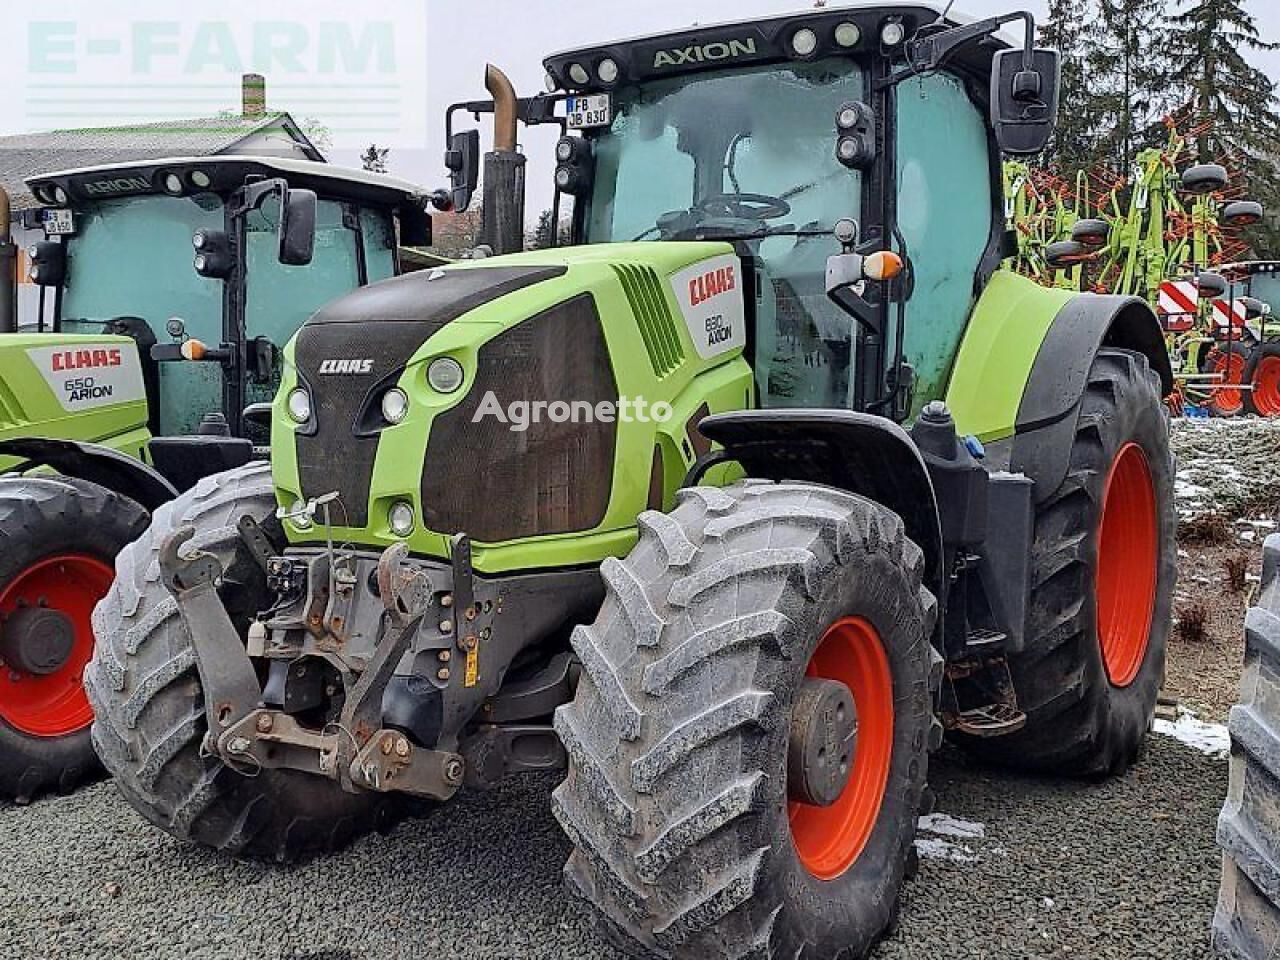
(355, 750)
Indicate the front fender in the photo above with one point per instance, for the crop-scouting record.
(96, 464)
(863, 454)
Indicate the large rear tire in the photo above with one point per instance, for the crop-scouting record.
(58, 541)
(149, 707)
(1103, 568)
(1246, 924)
(688, 842)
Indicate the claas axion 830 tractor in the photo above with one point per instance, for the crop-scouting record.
(741, 627)
(130, 382)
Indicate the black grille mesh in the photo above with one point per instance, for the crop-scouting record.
(496, 484)
(333, 457)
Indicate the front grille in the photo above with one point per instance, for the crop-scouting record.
(384, 323)
(495, 483)
(334, 457)
(661, 339)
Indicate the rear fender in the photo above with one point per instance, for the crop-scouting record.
(96, 464)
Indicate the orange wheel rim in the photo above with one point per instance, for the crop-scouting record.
(830, 839)
(54, 705)
(1227, 399)
(1266, 386)
(1128, 552)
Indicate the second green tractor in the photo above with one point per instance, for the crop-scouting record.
(731, 508)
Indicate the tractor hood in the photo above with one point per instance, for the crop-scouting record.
(470, 392)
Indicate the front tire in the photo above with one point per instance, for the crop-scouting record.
(58, 541)
(149, 706)
(688, 842)
(1103, 568)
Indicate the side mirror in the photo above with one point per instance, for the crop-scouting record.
(1024, 99)
(298, 227)
(463, 161)
(415, 227)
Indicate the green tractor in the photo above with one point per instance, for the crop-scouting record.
(644, 506)
(130, 383)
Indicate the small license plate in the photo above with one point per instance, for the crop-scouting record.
(59, 223)
(592, 111)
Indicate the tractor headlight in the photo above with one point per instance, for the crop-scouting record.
(445, 375)
(299, 405)
(400, 518)
(395, 406)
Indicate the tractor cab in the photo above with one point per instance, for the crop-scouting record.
(768, 134)
(211, 265)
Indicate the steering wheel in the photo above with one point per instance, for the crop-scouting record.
(743, 206)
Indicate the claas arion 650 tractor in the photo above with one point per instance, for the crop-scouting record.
(129, 383)
(732, 506)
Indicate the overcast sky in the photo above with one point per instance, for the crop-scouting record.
(92, 62)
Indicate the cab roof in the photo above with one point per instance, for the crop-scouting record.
(224, 174)
(759, 40)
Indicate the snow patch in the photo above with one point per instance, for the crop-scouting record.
(942, 825)
(932, 848)
(1211, 739)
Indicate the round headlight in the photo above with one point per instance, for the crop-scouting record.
(892, 33)
(173, 184)
(395, 406)
(848, 34)
(201, 263)
(607, 71)
(201, 179)
(445, 375)
(299, 405)
(551, 83)
(60, 196)
(400, 518)
(578, 74)
(804, 42)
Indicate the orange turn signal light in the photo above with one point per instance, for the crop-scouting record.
(884, 265)
(193, 350)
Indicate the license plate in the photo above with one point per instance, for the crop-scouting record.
(593, 111)
(59, 223)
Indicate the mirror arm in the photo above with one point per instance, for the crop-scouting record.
(934, 51)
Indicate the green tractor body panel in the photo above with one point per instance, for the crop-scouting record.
(1000, 345)
(72, 387)
(652, 346)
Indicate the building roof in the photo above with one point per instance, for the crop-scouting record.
(30, 154)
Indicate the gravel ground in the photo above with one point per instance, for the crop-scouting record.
(1024, 868)
(1125, 869)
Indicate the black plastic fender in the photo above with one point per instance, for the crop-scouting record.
(1046, 422)
(97, 464)
(863, 454)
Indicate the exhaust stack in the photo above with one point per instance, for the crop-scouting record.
(8, 269)
(503, 179)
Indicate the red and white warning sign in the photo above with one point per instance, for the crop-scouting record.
(1233, 314)
(1178, 304)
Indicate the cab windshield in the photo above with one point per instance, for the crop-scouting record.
(745, 153)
